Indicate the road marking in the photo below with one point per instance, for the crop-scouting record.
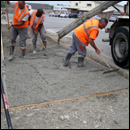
(64, 100)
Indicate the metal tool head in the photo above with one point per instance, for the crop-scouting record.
(109, 71)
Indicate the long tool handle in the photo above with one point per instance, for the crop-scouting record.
(39, 39)
(41, 42)
(5, 106)
(8, 25)
(104, 60)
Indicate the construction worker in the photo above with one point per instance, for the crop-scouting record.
(37, 25)
(84, 35)
(19, 25)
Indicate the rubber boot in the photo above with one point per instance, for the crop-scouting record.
(44, 46)
(80, 61)
(11, 53)
(67, 59)
(34, 45)
(44, 43)
(23, 53)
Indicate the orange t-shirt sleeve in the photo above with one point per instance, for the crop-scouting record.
(94, 34)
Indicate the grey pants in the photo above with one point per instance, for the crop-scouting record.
(22, 32)
(42, 35)
(77, 45)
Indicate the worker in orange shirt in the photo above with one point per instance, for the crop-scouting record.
(84, 35)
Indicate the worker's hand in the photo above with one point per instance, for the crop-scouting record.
(9, 26)
(36, 33)
(97, 51)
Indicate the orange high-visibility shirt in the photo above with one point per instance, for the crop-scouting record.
(17, 17)
(87, 30)
(33, 16)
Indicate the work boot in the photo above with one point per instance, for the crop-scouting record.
(67, 59)
(11, 53)
(34, 45)
(44, 45)
(23, 53)
(80, 61)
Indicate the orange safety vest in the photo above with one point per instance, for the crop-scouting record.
(39, 20)
(83, 31)
(18, 17)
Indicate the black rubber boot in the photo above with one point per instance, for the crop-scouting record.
(12, 50)
(80, 61)
(11, 53)
(67, 59)
(23, 53)
(34, 45)
(44, 43)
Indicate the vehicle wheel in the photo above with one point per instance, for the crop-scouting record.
(120, 47)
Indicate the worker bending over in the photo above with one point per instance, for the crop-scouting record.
(37, 25)
(84, 35)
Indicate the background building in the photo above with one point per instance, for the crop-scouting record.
(86, 6)
(38, 5)
(59, 8)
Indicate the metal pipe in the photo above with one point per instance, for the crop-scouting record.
(118, 10)
(5, 106)
(84, 17)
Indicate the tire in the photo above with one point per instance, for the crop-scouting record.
(120, 47)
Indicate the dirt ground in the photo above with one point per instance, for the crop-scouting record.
(61, 97)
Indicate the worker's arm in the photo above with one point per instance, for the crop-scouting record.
(39, 27)
(16, 24)
(92, 43)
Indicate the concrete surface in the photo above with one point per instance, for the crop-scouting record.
(91, 53)
(43, 94)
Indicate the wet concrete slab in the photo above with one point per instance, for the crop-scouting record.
(41, 77)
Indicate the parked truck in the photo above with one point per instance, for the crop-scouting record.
(118, 32)
(119, 39)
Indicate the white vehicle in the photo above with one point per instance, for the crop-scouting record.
(63, 15)
(51, 14)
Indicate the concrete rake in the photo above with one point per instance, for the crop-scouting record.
(110, 69)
